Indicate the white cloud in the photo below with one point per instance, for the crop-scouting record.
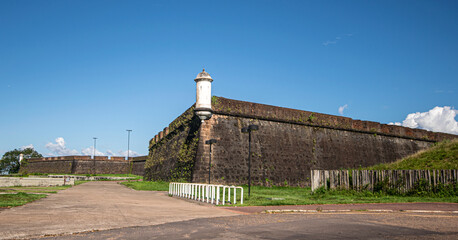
(59, 149)
(438, 119)
(337, 39)
(131, 153)
(90, 150)
(27, 146)
(110, 153)
(329, 42)
(342, 108)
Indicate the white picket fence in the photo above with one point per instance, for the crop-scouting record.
(210, 193)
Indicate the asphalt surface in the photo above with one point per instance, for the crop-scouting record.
(107, 210)
(294, 226)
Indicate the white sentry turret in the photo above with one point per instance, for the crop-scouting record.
(203, 95)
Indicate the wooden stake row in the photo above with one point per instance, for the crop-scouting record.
(400, 180)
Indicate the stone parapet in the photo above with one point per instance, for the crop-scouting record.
(224, 106)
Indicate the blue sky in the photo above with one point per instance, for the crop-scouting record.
(81, 69)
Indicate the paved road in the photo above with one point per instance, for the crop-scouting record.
(107, 210)
(361, 225)
(99, 205)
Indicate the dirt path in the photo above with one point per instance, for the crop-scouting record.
(98, 206)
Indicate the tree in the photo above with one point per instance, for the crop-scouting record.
(10, 160)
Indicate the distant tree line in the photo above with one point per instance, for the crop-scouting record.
(10, 161)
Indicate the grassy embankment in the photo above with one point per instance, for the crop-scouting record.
(442, 155)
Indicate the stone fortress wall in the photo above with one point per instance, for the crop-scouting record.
(85, 165)
(288, 144)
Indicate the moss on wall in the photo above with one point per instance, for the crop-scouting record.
(173, 156)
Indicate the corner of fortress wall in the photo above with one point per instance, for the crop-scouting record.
(172, 151)
(288, 144)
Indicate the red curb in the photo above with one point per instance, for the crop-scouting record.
(429, 207)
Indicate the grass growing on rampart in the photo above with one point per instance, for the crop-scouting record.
(262, 196)
(442, 155)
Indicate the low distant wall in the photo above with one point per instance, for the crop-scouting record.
(91, 178)
(138, 165)
(33, 182)
(401, 180)
(84, 165)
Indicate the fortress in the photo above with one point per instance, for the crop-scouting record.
(286, 146)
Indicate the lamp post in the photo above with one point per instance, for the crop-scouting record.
(93, 150)
(210, 142)
(128, 143)
(248, 130)
(93, 153)
(128, 150)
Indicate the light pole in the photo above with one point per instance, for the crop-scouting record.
(248, 130)
(210, 142)
(93, 150)
(128, 143)
(128, 150)
(93, 153)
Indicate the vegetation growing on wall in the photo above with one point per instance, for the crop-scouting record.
(182, 119)
(186, 159)
(172, 157)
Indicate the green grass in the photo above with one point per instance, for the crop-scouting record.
(303, 196)
(147, 186)
(443, 155)
(17, 196)
(18, 199)
(78, 182)
(33, 189)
